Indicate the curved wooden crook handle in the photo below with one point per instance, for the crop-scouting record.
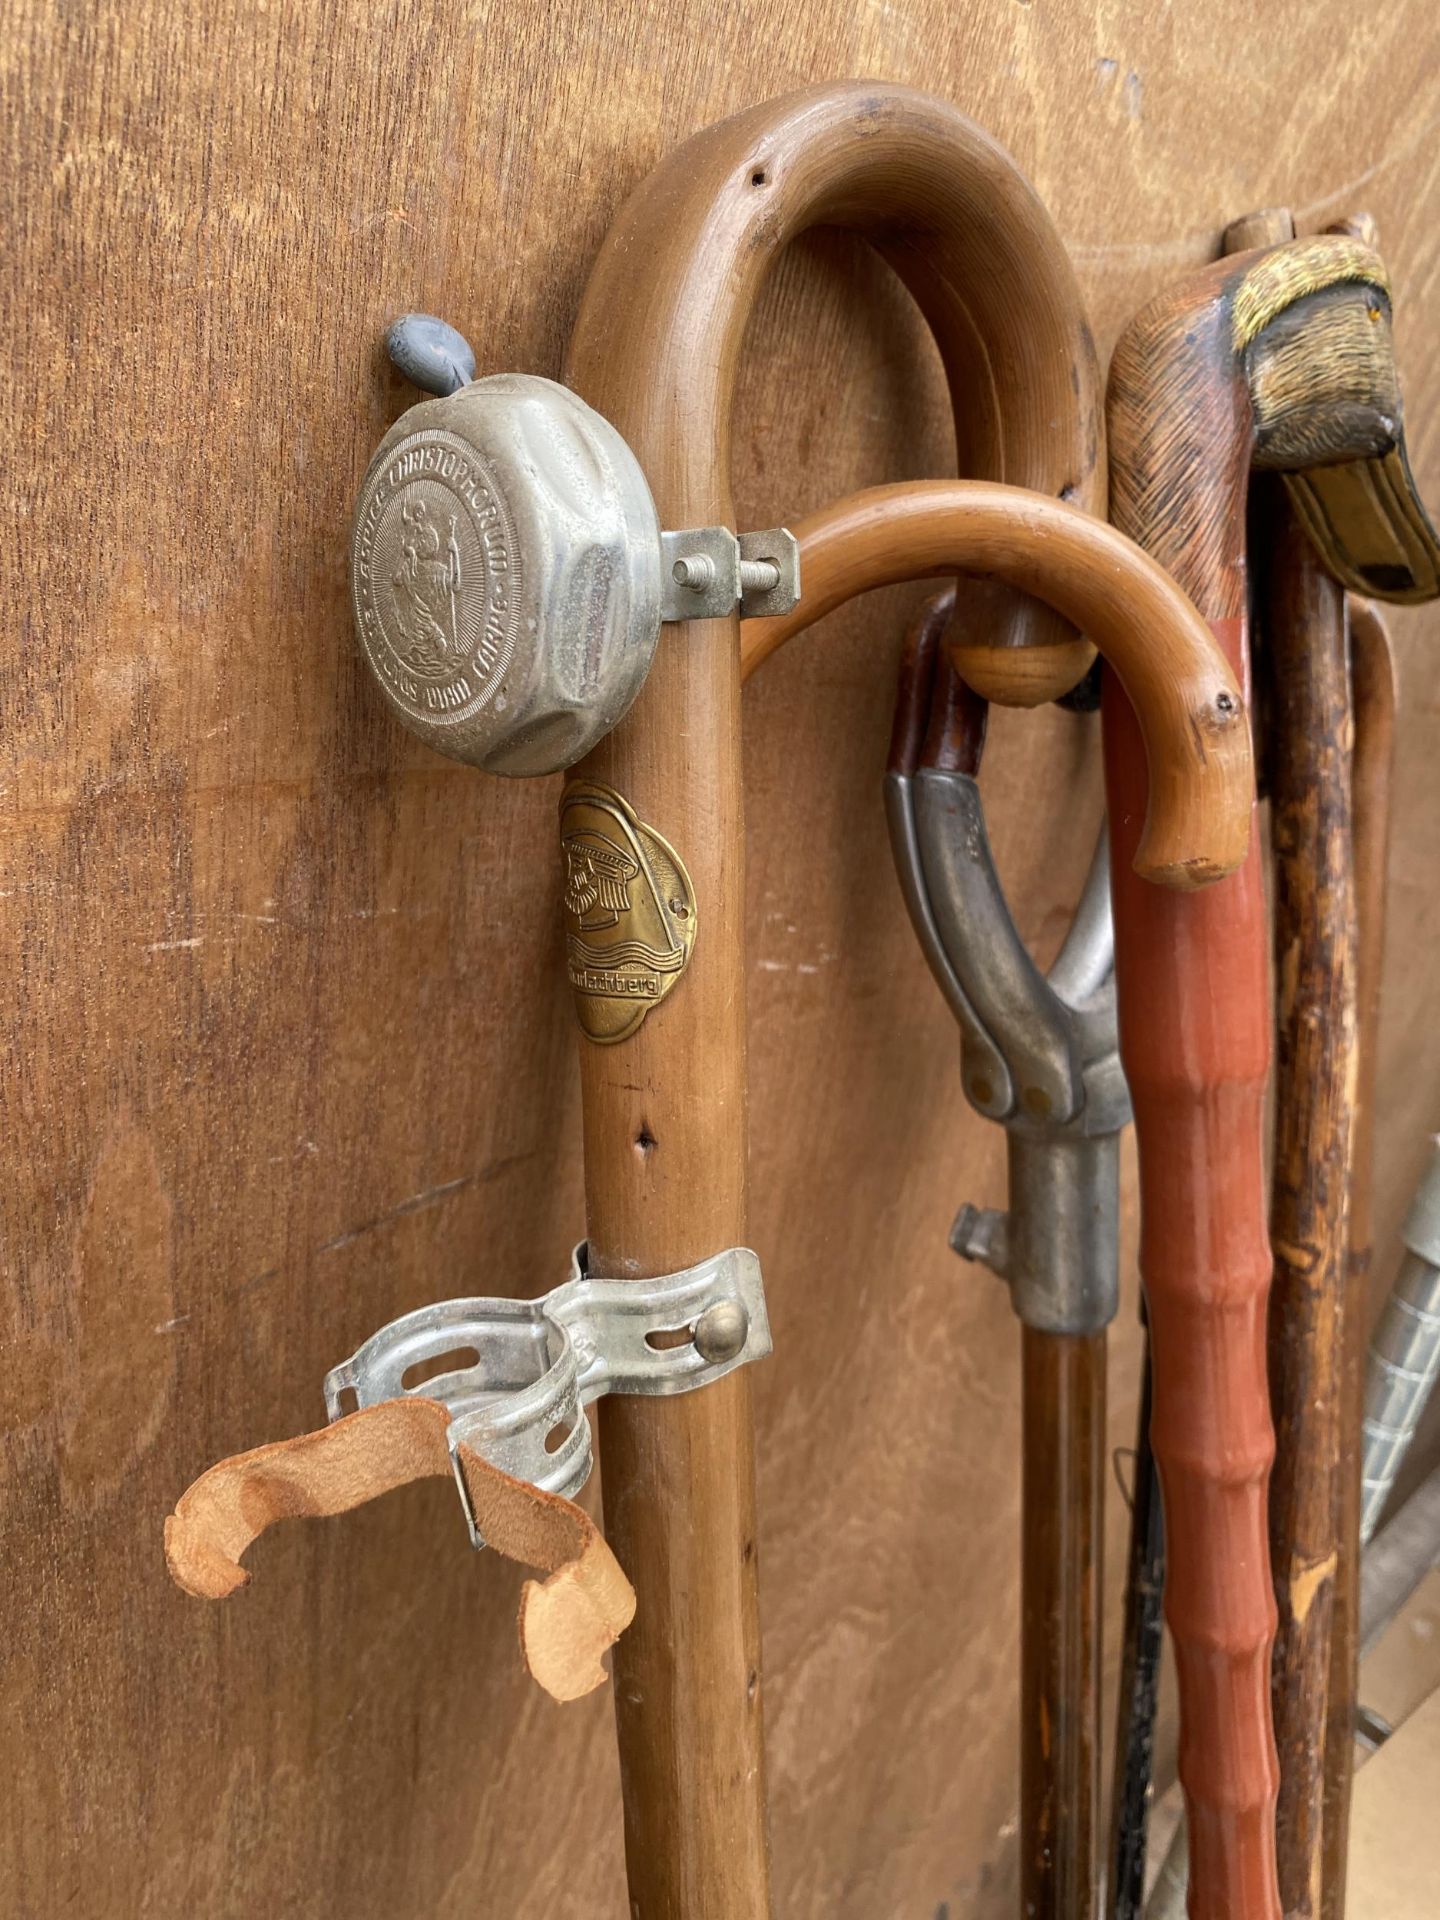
(656, 349)
(658, 340)
(1188, 701)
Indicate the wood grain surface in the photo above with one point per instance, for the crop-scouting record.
(1309, 742)
(289, 1043)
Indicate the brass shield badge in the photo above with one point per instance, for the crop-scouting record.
(629, 911)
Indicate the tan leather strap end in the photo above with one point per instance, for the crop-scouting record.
(566, 1620)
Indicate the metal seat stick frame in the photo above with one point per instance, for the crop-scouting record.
(1038, 1056)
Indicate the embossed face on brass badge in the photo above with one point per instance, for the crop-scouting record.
(435, 597)
(629, 911)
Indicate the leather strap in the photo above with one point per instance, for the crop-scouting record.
(566, 1621)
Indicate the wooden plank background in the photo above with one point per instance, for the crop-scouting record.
(289, 1049)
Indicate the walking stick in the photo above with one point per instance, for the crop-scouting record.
(1308, 757)
(656, 349)
(1038, 1056)
(1372, 700)
(1212, 378)
(1142, 1637)
(1056, 1247)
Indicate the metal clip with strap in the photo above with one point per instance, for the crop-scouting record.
(526, 1368)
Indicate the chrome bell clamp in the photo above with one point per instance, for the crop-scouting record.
(525, 1369)
(1039, 1054)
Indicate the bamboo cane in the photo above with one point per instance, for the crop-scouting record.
(1141, 1646)
(656, 349)
(1217, 376)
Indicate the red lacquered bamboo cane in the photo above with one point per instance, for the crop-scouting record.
(1216, 376)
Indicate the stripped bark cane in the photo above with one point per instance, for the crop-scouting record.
(656, 350)
(1308, 761)
(1372, 695)
(1224, 373)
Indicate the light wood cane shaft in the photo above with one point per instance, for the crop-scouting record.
(1373, 698)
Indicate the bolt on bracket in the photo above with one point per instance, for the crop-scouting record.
(706, 572)
(538, 1363)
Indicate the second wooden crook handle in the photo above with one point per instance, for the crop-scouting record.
(1185, 695)
(658, 341)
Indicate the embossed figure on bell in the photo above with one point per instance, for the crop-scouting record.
(435, 611)
(427, 589)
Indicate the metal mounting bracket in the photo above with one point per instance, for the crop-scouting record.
(525, 1369)
(707, 572)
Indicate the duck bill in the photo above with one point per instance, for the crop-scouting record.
(1370, 526)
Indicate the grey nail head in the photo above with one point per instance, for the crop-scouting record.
(431, 353)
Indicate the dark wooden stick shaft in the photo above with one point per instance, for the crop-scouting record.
(1309, 760)
(1062, 1567)
(1139, 1684)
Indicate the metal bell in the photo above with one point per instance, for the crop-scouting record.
(508, 570)
(506, 574)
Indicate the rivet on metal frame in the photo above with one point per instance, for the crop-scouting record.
(526, 1369)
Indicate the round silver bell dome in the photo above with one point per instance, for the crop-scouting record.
(505, 574)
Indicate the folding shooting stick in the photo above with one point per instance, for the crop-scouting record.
(1249, 364)
(1038, 1054)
